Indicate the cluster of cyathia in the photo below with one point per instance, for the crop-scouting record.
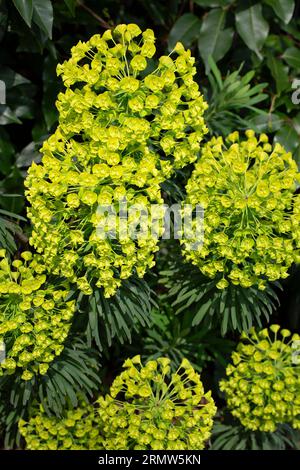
(147, 408)
(263, 385)
(79, 430)
(122, 130)
(252, 216)
(35, 317)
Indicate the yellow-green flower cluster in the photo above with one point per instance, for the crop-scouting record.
(34, 316)
(121, 133)
(251, 215)
(263, 385)
(150, 408)
(79, 430)
(66, 227)
(116, 104)
(147, 408)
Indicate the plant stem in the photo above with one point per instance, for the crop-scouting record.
(103, 23)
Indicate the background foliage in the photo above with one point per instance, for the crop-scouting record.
(248, 57)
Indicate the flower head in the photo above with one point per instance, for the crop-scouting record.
(263, 385)
(77, 430)
(251, 219)
(122, 131)
(149, 407)
(35, 317)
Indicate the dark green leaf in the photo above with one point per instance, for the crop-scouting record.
(71, 4)
(213, 3)
(292, 29)
(28, 155)
(25, 8)
(7, 116)
(279, 73)
(231, 443)
(3, 21)
(6, 152)
(288, 137)
(252, 27)
(213, 39)
(11, 78)
(185, 30)
(10, 214)
(266, 122)
(284, 9)
(43, 16)
(296, 123)
(50, 92)
(292, 57)
(225, 320)
(216, 72)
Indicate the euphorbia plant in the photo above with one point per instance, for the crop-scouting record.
(123, 129)
(147, 407)
(263, 384)
(251, 223)
(35, 316)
